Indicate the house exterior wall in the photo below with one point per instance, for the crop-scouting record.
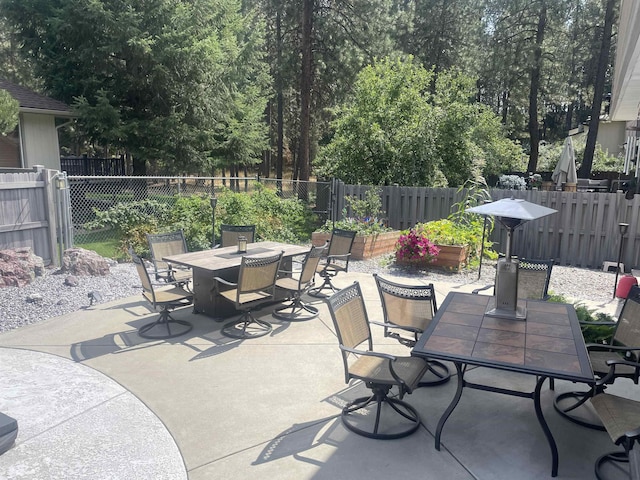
(9, 151)
(40, 141)
(611, 137)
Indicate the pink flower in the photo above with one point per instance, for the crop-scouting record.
(415, 247)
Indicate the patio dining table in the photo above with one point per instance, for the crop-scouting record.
(548, 344)
(225, 263)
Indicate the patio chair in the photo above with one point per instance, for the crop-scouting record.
(624, 345)
(380, 372)
(229, 234)
(256, 286)
(407, 311)
(621, 419)
(162, 245)
(533, 279)
(166, 298)
(336, 260)
(297, 284)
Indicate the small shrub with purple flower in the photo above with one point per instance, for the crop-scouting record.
(413, 247)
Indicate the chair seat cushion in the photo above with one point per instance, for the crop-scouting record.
(245, 298)
(599, 363)
(619, 415)
(181, 275)
(288, 283)
(171, 295)
(376, 370)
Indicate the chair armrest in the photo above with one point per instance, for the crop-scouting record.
(478, 290)
(387, 356)
(611, 374)
(344, 256)
(597, 324)
(225, 282)
(393, 325)
(611, 348)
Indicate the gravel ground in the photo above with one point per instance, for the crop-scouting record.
(48, 296)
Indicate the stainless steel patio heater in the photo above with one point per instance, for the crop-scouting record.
(511, 213)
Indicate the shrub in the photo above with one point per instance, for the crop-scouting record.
(592, 333)
(367, 215)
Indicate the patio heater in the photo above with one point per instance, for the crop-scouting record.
(511, 213)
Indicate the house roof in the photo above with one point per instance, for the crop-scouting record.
(32, 102)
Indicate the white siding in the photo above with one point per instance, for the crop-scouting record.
(40, 141)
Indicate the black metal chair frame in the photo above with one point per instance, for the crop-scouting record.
(336, 261)
(297, 286)
(353, 330)
(610, 406)
(253, 290)
(399, 320)
(165, 298)
(236, 230)
(615, 351)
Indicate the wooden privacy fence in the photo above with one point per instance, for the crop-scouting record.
(584, 232)
(28, 205)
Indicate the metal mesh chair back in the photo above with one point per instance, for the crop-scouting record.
(310, 265)
(412, 306)
(165, 244)
(533, 278)
(628, 326)
(341, 242)
(350, 317)
(143, 273)
(230, 233)
(257, 274)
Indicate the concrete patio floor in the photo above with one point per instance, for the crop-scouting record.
(94, 400)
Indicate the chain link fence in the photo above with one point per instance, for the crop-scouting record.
(89, 194)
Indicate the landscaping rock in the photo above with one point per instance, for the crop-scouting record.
(81, 262)
(19, 267)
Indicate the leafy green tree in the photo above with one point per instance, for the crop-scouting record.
(171, 82)
(8, 112)
(396, 131)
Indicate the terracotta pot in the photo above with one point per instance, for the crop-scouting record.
(364, 246)
(570, 187)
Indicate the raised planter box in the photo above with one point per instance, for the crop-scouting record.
(451, 257)
(364, 246)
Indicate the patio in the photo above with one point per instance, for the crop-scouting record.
(204, 406)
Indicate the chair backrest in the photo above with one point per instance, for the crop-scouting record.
(409, 306)
(230, 233)
(309, 265)
(165, 244)
(257, 275)
(627, 330)
(350, 320)
(533, 278)
(143, 273)
(341, 242)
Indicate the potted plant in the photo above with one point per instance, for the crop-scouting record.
(373, 237)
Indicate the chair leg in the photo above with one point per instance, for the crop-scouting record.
(164, 320)
(380, 399)
(437, 374)
(247, 326)
(326, 285)
(613, 457)
(577, 399)
(297, 311)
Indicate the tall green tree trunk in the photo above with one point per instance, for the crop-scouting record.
(534, 124)
(305, 89)
(598, 91)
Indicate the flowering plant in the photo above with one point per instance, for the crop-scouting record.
(414, 247)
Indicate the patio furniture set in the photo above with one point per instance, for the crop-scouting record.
(241, 275)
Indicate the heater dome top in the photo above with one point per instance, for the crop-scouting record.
(516, 208)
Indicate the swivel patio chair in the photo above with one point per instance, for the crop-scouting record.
(229, 234)
(162, 245)
(533, 279)
(336, 260)
(407, 311)
(624, 345)
(256, 286)
(297, 284)
(380, 372)
(621, 419)
(166, 298)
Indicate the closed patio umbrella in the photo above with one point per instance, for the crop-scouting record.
(565, 171)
